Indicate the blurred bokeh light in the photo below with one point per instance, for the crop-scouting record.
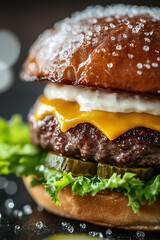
(9, 53)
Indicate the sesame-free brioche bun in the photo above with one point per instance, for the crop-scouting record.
(115, 48)
(107, 208)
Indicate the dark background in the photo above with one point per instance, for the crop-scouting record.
(27, 19)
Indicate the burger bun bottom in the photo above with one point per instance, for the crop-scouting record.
(107, 208)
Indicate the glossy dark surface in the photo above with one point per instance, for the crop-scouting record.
(27, 20)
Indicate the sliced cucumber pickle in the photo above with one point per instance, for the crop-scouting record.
(76, 167)
(90, 169)
(106, 171)
(73, 236)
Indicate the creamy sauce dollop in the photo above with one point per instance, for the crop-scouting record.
(98, 99)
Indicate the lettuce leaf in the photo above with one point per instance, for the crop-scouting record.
(18, 155)
(136, 190)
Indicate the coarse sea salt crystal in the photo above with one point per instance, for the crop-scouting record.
(98, 28)
(64, 224)
(95, 234)
(140, 234)
(70, 229)
(118, 10)
(131, 44)
(139, 65)
(136, 29)
(110, 65)
(118, 47)
(148, 66)
(147, 39)
(39, 225)
(146, 48)
(130, 55)
(139, 72)
(76, 33)
(112, 38)
(16, 228)
(109, 232)
(142, 20)
(155, 65)
(114, 54)
(89, 33)
(82, 225)
(92, 21)
(112, 25)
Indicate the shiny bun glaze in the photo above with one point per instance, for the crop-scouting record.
(116, 48)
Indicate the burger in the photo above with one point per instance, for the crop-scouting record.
(97, 123)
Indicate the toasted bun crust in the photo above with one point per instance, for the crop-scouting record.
(115, 48)
(108, 208)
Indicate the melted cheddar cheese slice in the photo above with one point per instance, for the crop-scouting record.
(112, 125)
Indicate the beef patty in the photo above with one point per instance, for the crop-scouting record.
(137, 147)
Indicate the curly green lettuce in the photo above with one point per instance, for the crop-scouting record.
(19, 156)
(17, 153)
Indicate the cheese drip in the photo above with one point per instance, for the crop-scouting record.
(112, 125)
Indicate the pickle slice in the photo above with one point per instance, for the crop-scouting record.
(73, 236)
(106, 171)
(76, 167)
(90, 169)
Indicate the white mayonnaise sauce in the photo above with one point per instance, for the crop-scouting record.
(98, 99)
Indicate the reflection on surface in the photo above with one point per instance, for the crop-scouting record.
(9, 53)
